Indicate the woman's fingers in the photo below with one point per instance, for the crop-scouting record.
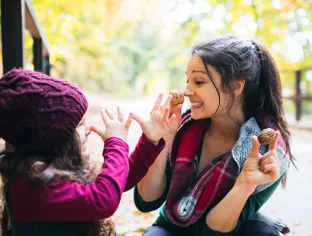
(268, 160)
(171, 119)
(157, 103)
(165, 115)
(254, 152)
(168, 100)
(272, 170)
(274, 144)
(177, 109)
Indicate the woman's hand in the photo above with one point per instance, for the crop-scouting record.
(114, 126)
(162, 121)
(258, 169)
(176, 111)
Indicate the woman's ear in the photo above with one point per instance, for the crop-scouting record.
(239, 87)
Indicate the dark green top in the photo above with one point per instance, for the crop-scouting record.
(200, 228)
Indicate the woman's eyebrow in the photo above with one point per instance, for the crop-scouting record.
(199, 71)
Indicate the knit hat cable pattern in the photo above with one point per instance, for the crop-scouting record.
(37, 111)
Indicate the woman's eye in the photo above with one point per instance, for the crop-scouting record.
(199, 82)
(187, 81)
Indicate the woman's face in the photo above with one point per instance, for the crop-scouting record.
(201, 92)
(83, 132)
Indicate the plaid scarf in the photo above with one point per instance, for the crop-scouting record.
(188, 199)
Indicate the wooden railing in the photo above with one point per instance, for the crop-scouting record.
(16, 17)
(297, 98)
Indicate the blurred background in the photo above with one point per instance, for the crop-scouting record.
(124, 52)
(127, 47)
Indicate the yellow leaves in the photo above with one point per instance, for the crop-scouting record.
(98, 41)
(145, 215)
(287, 5)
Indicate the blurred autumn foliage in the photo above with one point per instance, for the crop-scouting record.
(142, 46)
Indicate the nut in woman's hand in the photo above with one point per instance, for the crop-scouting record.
(177, 97)
(266, 136)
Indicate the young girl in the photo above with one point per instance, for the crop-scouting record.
(213, 175)
(47, 186)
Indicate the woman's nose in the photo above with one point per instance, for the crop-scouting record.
(188, 92)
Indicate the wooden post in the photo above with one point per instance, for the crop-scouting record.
(13, 27)
(13, 37)
(298, 99)
(38, 55)
(47, 65)
(41, 45)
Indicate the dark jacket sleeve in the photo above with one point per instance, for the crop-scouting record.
(151, 206)
(140, 160)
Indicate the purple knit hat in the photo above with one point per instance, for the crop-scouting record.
(38, 112)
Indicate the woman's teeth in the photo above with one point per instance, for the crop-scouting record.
(196, 104)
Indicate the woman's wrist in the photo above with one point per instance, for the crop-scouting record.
(243, 185)
(155, 142)
(169, 138)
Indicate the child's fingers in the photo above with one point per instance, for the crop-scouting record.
(120, 114)
(137, 119)
(110, 114)
(95, 130)
(104, 116)
(128, 122)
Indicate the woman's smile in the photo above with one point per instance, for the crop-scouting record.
(196, 105)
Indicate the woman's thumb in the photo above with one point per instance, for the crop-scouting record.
(255, 146)
(177, 110)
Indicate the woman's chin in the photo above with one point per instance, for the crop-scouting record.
(196, 115)
(199, 116)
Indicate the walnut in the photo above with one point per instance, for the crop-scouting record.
(266, 136)
(177, 97)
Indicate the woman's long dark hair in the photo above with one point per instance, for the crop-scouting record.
(236, 59)
(41, 168)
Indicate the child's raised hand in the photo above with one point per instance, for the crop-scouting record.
(160, 122)
(114, 126)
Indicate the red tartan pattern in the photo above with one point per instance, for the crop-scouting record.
(207, 191)
(185, 202)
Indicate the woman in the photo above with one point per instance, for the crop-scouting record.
(213, 175)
